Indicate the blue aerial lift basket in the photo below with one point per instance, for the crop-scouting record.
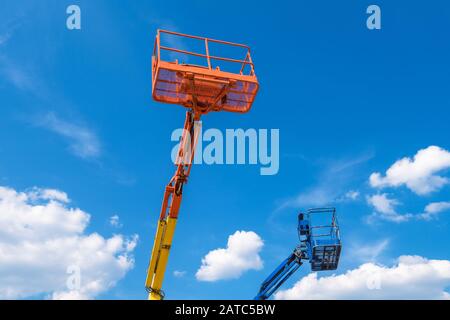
(320, 243)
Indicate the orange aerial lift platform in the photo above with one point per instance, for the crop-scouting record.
(202, 81)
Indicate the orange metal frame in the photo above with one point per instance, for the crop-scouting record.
(201, 89)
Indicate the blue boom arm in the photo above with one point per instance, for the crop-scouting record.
(319, 244)
(286, 269)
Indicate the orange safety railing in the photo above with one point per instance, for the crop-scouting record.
(247, 60)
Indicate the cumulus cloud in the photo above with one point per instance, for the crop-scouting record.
(349, 196)
(352, 195)
(179, 274)
(433, 209)
(48, 194)
(83, 142)
(42, 239)
(412, 277)
(240, 255)
(419, 174)
(382, 203)
(385, 208)
(115, 221)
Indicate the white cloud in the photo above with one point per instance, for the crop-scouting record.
(418, 174)
(433, 209)
(383, 204)
(352, 195)
(412, 277)
(240, 255)
(69, 295)
(83, 142)
(385, 208)
(115, 221)
(41, 237)
(48, 194)
(369, 252)
(179, 274)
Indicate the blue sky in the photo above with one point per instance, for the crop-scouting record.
(76, 115)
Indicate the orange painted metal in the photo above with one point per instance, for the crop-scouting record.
(185, 158)
(203, 88)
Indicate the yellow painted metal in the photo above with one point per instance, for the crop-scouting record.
(155, 252)
(160, 256)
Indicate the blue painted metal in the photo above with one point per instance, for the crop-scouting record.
(279, 276)
(320, 244)
(323, 242)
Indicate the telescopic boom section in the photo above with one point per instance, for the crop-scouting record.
(286, 269)
(170, 207)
